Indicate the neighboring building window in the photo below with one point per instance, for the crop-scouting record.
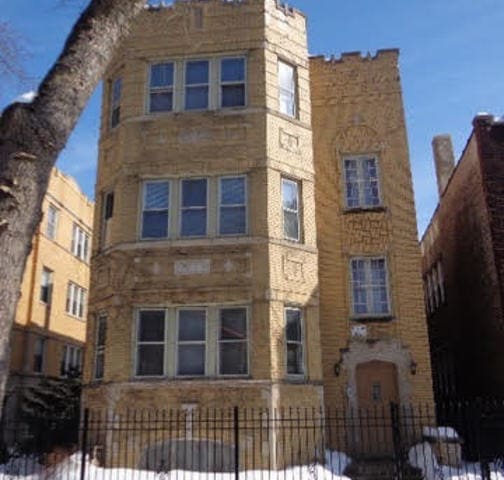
(197, 84)
(201, 341)
(161, 87)
(232, 78)
(370, 286)
(233, 341)
(232, 206)
(108, 212)
(76, 300)
(151, 331)
(191, 342)
(38, 354)
(46, 284)
(434, 287)
(194, 208)
(361, 182)
(71, 361)
(294, 339)
(100, 340)
(52, 222)
(80, 243)
(287, 89)
(290, 202)
(155, 213)
(115, 116)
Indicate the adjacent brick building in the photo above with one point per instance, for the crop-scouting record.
(251, 248)
(50, 327)
(463, 265)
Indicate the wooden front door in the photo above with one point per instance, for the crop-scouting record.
(377, 388)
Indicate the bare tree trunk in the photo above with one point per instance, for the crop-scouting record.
(32, 135)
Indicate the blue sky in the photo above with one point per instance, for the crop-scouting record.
(452, 67)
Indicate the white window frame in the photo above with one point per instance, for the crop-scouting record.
(220, 205)
(367, 260)
(80, 243)
(197, 85)
(294, 94)
(72, 359)
(164, 89)
(76, 301)
(246, 341)
(191, 342)
(46, 281)
(52, 221)
(301, 342)
(359, 159)
(223, 84)
(297, 212)
(99, 348)
(181, 208)
(168, 209)
(137, 342)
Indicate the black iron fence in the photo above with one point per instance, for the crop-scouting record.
(455, 440)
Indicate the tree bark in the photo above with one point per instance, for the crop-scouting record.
(32, 135)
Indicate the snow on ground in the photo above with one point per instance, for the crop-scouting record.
(26, 468)
(440, 433)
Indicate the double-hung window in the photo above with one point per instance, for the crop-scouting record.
(232, 81)
(193, 208)
(294, 340)
(38, 354)
(46, 284)
(232, 206)
(76, 300)
(290, 205)
(362, 189)
(370, 294)
(115, 107)
(155, 210)
(191, 342)
(100, 339)
(197, 84)
(150, 353)
(52, 222)
(233, 342)
(80, 243)
(71, 361)
(287, 89)
(161, 87)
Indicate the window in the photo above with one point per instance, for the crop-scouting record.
(361, 182)
(290, 200)
(46, 284)
(100, 340)
(150, 343)
(197, 84)
(232, 206)
(108, 212)
(156, 200)
(232, 79)
(161, 87)
(370, 287)
(193, 208)
(38, 354)
(115, 116)
(287, 89)
(294, 339)
(193, 341)
(434, 287)
(71, 361)
(80, 243)
(233, 342)
(52, 222)
(191, 346)
(76, 300)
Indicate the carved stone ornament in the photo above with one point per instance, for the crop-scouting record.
(358, 139)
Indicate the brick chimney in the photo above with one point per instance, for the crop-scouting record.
(444, 160)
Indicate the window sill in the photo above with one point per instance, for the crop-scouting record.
(296, 379)
(373, 318)
(377, 209)
(198, 378)
(75, 317)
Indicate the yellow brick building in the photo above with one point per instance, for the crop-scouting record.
(255, 240)
(50, 326)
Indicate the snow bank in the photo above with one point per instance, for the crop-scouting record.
(26, 468)
(440, 433)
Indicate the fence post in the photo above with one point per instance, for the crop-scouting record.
(85, 429)
(236, 443)
(396, 439)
